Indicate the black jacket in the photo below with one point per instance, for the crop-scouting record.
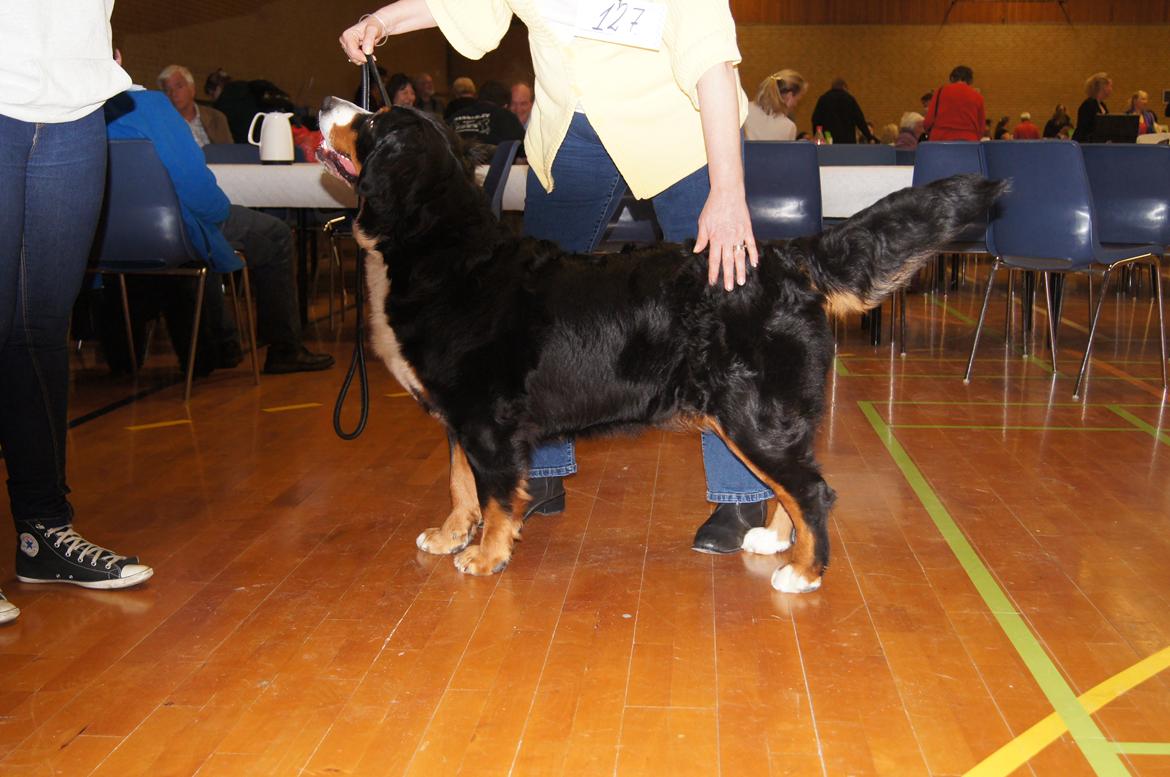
(837, 112)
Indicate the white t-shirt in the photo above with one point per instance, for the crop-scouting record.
(761, 126)
(56, 60)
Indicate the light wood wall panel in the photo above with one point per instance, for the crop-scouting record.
(934, 11)
(1017, 67)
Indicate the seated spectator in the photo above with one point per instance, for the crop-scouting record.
(909, 130)
(487, 120)
(207, 124)
(1058, 121)
(239, 101)
(1026, 130)
(462, 95)
(521, 102)
(1001, 130)
(214, 225)
(401, 91)
(956, 109)
(1139, 103)
(426, 100)
(769, 116)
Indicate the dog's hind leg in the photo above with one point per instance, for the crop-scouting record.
(803, 501)
(465, 517)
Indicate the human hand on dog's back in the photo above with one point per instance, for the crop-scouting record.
(725, 225)
(393, 19)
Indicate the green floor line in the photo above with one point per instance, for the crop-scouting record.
(1142, 748)
(1005, 428)
(1084, 730)
(842, 370)
(1160, 436)
(954, 313)
(1042, 364)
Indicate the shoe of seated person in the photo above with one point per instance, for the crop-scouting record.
(281, 361)
(61, 555)
(8, 610)
(724, 531)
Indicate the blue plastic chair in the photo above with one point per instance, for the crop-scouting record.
(633, 223)
(854, 154)
(783, 186)
(1047, 222)
(231, 154)
(141, 232)
(497, 174)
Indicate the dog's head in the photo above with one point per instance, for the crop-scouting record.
(402, 143)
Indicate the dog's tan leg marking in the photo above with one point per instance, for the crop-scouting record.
(459, 529)
(500, 531)
(801, 573)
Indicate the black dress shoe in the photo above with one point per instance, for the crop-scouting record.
(548, 496)
(280, 362)
(724, 530)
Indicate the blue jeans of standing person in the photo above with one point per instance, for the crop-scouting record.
(52, 179)
(587, 191)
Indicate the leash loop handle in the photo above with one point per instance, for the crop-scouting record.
(357, 363)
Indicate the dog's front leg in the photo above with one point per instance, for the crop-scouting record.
(501, 528)
(464, 519)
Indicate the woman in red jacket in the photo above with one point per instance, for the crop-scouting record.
(956, 110)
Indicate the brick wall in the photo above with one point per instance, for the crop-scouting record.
(1017, 67)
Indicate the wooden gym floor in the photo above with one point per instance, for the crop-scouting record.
(998, 600)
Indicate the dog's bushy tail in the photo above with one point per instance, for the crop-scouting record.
(857, 263)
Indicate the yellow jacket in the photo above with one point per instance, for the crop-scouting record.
(642, 103)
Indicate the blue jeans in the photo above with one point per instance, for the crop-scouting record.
(52, 178)
(588, 190)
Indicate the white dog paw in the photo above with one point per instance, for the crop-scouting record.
(789, 581)
(764, 541)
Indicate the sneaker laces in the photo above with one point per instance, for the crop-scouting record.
(74, 542)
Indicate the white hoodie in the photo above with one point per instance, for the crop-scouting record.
(56, 59)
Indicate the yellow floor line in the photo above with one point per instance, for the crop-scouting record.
(283, 408)
(399, 394)
(1020, 750)
(159, 425)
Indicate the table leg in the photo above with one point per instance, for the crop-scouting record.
(302, 265)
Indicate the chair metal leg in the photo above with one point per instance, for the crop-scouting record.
(1156, 270)
(982, 315)
(251, 326)
(195, 333)
(1092, 331)
(236, 306)
(902, 321)
(1051, 319)
(129, 327)
(1011, 298)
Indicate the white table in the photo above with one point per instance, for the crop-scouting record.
(301, 185)
(844, 190)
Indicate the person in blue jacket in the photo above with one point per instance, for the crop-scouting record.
(214, 226)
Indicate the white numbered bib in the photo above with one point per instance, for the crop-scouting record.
(628, 22)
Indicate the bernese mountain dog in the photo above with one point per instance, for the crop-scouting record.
(511, 341)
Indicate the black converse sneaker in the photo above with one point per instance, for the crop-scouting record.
(8, 610)
(61, 555)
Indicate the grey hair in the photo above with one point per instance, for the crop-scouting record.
(170, 70)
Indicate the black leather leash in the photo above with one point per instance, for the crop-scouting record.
(357, 364)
